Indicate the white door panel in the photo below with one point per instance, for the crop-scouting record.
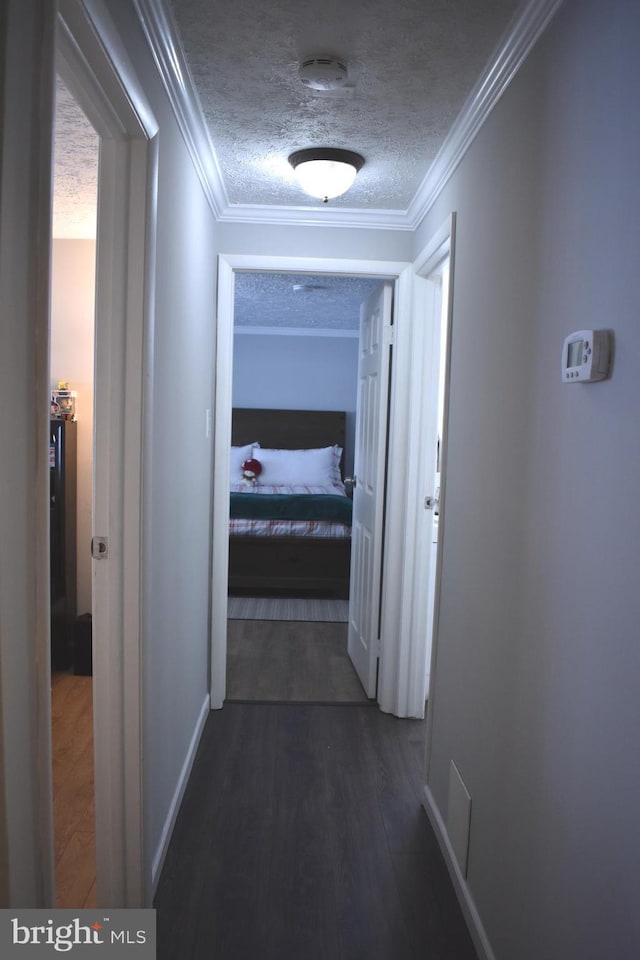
(431, 433)
(368, 495)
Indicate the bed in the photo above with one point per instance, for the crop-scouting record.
(270, 551)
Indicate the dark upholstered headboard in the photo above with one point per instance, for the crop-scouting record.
(288, 429)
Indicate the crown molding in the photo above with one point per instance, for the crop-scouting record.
(512, 51)
(162, 35)
(320, 216)
(163, 39)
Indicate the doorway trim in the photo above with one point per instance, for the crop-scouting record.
(93, 62)
(228, 265)
(400, 687)
(440, 248)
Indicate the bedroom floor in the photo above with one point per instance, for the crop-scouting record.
(301, 835)
(291, 662)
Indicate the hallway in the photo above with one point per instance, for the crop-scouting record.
(301, 835)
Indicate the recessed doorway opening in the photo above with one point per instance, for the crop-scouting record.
(295, 401)
(72, 336)
(230, 267)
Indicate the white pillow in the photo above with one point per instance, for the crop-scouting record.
(318, 467)
(238, 457)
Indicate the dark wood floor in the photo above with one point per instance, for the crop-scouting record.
(302, 837)
(290, 661)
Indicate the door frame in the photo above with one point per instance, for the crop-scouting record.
(400, 681)
(94, 65)
(428, 264)
(399, 272)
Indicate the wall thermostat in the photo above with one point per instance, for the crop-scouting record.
(586, 356)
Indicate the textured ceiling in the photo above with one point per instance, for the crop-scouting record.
(412, 64)
(75, 170)
(324, 302)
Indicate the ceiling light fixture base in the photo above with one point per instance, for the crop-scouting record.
(326, 172)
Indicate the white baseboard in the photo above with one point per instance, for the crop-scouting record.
(469, 909)
(163, 846)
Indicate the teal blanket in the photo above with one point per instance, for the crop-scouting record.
(284, 506)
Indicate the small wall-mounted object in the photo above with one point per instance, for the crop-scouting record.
(586, 356)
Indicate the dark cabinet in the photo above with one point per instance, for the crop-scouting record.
(62, 476)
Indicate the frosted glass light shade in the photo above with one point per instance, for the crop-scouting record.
(325, 173)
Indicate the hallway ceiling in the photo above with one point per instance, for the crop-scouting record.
(411, 67)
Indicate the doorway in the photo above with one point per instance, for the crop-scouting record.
(89, 61)
(295, 389)
(72, 330)
(228, 268)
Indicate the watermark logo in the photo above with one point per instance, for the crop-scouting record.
(81, 933)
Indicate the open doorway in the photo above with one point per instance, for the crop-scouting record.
(72, 334)
(296, 351)
(89, 60)
(230, 267)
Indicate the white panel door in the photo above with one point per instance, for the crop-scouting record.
(368, 495)
(432, 432)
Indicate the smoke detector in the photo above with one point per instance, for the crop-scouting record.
(323, 73)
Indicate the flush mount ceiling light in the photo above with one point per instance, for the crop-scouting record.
(325, 172)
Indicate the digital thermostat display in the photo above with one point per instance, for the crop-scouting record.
(586, 356)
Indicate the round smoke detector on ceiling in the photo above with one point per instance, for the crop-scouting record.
(323, 73)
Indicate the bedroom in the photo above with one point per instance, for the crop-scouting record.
(295, 368)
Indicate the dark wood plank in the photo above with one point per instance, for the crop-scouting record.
(272, 660)
(301, 874)
(369, 917)
(221, 832)
(290, 843)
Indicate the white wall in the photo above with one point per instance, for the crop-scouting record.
(536, 694)
(298, 373)
(323, 242)
(71, 345)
